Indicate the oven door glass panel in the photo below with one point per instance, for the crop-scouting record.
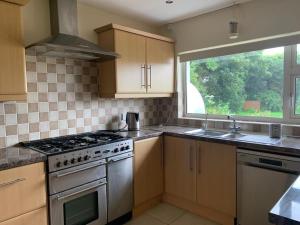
(82, 210)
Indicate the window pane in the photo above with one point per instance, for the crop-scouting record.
(245, 84)
(297, 97)
(298, 54)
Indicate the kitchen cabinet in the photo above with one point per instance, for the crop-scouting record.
(180, 167)
(12, 53)
(145, 67)
(201, 177)
(36, 217)
(18, 2)
(216, 177)
(22, 190)
(148, 172)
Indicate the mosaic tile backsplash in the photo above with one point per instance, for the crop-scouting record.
(63, 99)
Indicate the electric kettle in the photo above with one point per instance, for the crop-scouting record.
(133, 121)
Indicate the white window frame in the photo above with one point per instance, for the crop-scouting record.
(291, 72)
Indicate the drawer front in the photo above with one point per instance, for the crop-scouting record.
(22, 190)
(76, 176)
(36, 217)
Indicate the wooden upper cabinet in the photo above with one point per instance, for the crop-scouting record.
(12, 54)
(180, 167)
(216, 177)
(148, 170)
(145, 67)
(130, 70)
(160, 66)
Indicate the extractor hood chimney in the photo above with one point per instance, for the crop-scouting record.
(65, 41)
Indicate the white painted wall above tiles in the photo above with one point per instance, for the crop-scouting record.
(257, 19)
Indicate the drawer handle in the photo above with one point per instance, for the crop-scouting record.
(59, 198)
(12, 182)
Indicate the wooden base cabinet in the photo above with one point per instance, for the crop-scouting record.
(180, 167)
(145, 67)
(36, 217)
(13, 84)
(148, 172)
(22, 190)
(201, 177)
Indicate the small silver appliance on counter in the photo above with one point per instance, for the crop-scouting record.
(133, 121)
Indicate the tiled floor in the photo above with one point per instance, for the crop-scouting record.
(166, 214)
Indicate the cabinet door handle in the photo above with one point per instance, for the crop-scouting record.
(150, 76)
(162, 152)
(143, 67)
(191, 159)
(199, 160)
(12, 182)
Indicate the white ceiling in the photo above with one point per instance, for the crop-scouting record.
(157, 11)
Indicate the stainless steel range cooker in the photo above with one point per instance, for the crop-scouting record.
(89, 178)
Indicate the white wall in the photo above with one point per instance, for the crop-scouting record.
(36, 20)
(259, 18)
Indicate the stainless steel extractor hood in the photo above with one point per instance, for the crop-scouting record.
(65, 41)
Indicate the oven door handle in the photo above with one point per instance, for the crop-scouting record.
(59, 175)
(119, 159)
(59, 198)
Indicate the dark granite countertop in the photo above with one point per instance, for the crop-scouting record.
(254, 141)
(18, 156)
(287, 209)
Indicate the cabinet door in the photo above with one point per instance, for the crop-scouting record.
(12, 53)
(180, 167)
(160, 66)
(216, 177)
(130, 66)
(148, 169)
(36, 217)
(22, 190)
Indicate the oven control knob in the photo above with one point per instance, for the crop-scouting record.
(66, 162)
(72, 161)
(122, 148)
(116, 150)
(79, 159)
(58, 164)
(86, 157)
(127, 147)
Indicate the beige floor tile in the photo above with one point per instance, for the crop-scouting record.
(145, 220)
(190, 219)
(165, 213)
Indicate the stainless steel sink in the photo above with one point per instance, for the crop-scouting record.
(233, 135)
(200, 132)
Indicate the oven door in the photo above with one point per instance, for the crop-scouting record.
(83, 205)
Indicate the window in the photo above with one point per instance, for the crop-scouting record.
(298, 54)
(248, 85)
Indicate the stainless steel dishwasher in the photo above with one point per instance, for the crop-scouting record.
(120, 187)
(262, 179)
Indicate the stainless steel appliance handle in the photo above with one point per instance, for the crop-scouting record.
(59, 198)
(143, 67)
(12, 182)
(119, 159)
(58, 175)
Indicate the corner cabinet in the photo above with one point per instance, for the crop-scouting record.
(145, 67)
(12, 53)
(201, 177)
